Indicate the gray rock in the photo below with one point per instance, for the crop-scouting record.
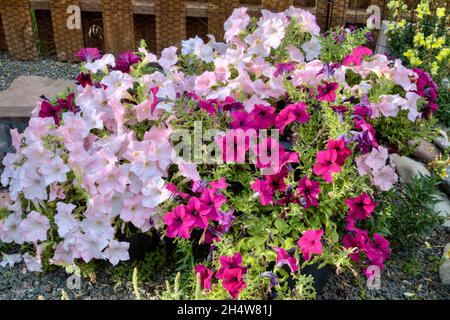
(425, 151)
(442, 208)
(444, 269)
(408, 168)
(442, 141)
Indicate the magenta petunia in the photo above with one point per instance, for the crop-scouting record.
(360, 207)
(213, 200)
(242, 120)
(205, 276)
(177, 223)
(283, 67)
(356, 56)
(88, 54)
(326, 164)
(125, 60)
(284, 258)
(263, 116)
(341, 149)
(263, 188)
(197, 213)
(293, 112)
(327, 92)
(309, 190)
(233, 282)
(311, 242)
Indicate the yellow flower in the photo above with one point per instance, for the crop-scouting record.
(440, 12)
(434, 68)
(438, 43)
(402, 23)
(419, 39)
(443, 54)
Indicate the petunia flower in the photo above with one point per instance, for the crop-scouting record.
(293, 112)
(310, 242)
(340, 146)
(282, 68)
(283, 257)
(197, 213)
(205, 276)
(384, 178)
(309, 190)
(360, 207)
(264, 191)
(177, 223)
(125, 60)
(263, 116)
(34, 227)
(356, 56)
(117, 251)
(233, 282)
(326, 164)
(327, 91)
(88, 54)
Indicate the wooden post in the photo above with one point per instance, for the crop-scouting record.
(67, 41)
(17, 26)
(338, 12)
(321, 14)
(277, 5)
(118, 28)
(218, 13)
(170, 23)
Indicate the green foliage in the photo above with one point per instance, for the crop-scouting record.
(408, 211)
(334, 50)
(148, 270)
(399, 130)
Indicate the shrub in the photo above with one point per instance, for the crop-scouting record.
(147, 144)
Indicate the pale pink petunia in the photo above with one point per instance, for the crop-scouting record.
(34, 227)
(65, 220)
(236, 23)
(205, 82)
(10, 259)
(168, 57)
(54, 171)
(376, 159)
(188, 169)
(385, 178)
(117, 251)
(402, 76)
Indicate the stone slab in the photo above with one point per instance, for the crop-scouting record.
(21, 97)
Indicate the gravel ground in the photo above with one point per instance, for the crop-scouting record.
(9, 69)
(409, 274)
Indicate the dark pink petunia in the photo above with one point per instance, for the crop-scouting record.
(341, 149)
(276, 181)
(293, 112)
(50, 110)
(281, 68)
(232, 262)
(326, 164)
(88, 54)
(310, 242)
(283, 257)
(214, 201)
(84, 79)
(309, 190)
(219, 184)
(173, 188)
(205, 276)
(125, 60)
(263, 116)
(356, 56)
(327, 92)
(197, 212)
(177, 223)
(233, 282)
(264, 190)
(235, 144)
(231, 273)
(360, 207)
(242, 120)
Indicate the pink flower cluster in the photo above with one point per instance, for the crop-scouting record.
(202, 209)
(376, 250)
(332, 159)
(231, 272)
